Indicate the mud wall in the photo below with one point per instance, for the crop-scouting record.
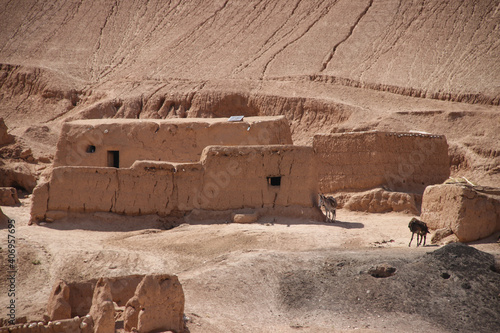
(406, 162)
(226, 178)
(470, 212)
(87, 142)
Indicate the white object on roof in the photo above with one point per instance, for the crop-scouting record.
(235, 118)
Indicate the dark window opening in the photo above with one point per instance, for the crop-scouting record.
(113, 158)
(91, 149)
(274, 181)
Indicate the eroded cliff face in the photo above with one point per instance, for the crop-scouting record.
(328, 66)
(443, 47)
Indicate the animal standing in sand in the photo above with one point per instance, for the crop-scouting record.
(420, 228)
(330, 205)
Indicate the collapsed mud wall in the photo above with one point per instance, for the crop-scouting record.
(74, 325)
(89, 142)
(470, 212)
(406, 162)
(226, 178)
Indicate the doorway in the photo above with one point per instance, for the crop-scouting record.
(113, 158)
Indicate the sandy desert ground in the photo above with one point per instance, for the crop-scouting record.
(328, 66)
(277, 275)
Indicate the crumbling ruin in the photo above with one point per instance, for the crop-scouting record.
(138, 303)
(468, 212)
(73, 325)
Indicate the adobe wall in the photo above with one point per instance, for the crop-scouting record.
(173, 140)
(406, 162)
(226, 178)
(80, 293)
(470, 212)
(160, 294)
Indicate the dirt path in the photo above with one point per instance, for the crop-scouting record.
(233, 275)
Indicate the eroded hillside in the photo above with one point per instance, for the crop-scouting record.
(329, 66)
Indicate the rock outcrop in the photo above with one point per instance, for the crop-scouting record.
(18, 175)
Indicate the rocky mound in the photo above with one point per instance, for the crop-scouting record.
(456, 287)
(380, 201)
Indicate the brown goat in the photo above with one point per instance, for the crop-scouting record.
(420, 228)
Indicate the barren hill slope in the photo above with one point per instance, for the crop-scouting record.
(329, 66)
(436, 46)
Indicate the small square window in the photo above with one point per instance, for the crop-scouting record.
(91, 149)
(274, 181)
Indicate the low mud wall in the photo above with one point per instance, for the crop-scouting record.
(74, 325)
(226, 178)
(355, 161)
(469, 212)
(89, 142)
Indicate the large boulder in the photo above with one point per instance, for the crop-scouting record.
(471, 212)
(158, 305)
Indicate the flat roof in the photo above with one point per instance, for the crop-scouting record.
(106, 121)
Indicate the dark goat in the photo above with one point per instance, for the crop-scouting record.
(420, 228)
